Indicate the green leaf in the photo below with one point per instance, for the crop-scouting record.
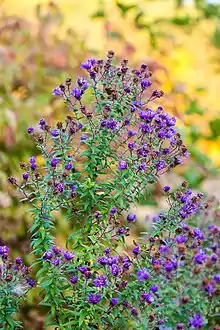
(215, 127)
(194, 109)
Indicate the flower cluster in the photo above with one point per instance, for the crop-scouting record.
(115, 142)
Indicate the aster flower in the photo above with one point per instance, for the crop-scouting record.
(131, 217)
(145, 83)
(77, 93)
(68, 255)
(30, 130)
(100, 281)
(136, 250)
(196, 322)
(166, 188)
(200, 257)
(54, 162)
(122, 165)
(115, 270)
(54, 132)
(154, 288)
(25, 176)
(143, 274)
(48, 255)
(94, 298)
(57, 91)
(74, 279)
(88, 64)
(148, 297)
(114, 301)
(4, 249)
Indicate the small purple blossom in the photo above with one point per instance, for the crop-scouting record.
(143, 274)
(154, 288)
(94, 298)
(166, 188)
(74, 279)
(30, 130)
(100, 281)
(148, 297)
(196, 321)
(122, 165)
(68, 255)
(114, 301)
(54, 162)
(4, 249)
(25, 176)
(131, 217)
(57, 91)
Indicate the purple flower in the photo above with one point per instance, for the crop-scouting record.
(32, 160)
(83, 137)
(114, 301)
(60, 187)
(57, 91)
(122, 165)
(88, 64)
(31, 282)
(25, 176)
(196, 321)
(42, 122)
(102, 261)
(200, 257)
(4, 249)
(107, 250)
(48, 255)
(68, 255)
(121, 231)
(77, 93)
(160, 165)
(100, 281)
(113, 210)
(168, 266)
(94, 298)
(54, 162)
(115, 270)
(148, 297)
(154, 288)
(83, 83)
(54, 132)
(180, 239)
(74, 279)
(112, 124)
(145, 83)
(18, 260)
(33, 167)
(214, 258)
(210, 288)
(142, 167)
(166, 188)
(30, 130)
(164, 248)
(134, 311)
(82, 269)
(131, 217)
(143, 274)
(131, 133)
(131, 145)
(216, 278)
(68, 166)
(136, 250)
(56, 262)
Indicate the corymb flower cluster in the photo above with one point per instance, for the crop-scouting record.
(115, 141)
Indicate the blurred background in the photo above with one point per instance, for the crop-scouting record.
(42, 43)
